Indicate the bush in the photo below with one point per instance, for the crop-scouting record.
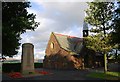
(16, 67)
(10, 67)
(38, 65)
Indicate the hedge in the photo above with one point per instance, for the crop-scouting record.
(16, 67)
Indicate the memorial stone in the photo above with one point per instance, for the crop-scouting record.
(27, 62)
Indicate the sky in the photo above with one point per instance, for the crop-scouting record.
(64, 17)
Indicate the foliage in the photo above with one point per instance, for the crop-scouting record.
(98, 43)
(116, 26)
(16, 67)
(8, 67)
(99, 15)
(15, 21)
(38, 65)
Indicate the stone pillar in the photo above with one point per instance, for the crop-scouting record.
(27, 62)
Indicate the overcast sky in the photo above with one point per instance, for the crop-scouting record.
(55, 16)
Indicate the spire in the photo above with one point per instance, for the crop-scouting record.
(85, 29)
(85, 26)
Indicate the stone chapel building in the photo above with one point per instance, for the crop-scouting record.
(69, 52)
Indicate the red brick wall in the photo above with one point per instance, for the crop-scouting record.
(49, 50)
(64, 61)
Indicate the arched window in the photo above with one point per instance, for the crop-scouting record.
(52, 45)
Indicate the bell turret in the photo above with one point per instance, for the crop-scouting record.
(85, 29)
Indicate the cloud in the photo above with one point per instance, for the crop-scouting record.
(61, 17)
(61, 0)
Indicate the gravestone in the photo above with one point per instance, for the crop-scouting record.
(27, 62)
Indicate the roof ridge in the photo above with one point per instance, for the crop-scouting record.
(62, 41)
(66, 35)
(54, 34)
(56, 38)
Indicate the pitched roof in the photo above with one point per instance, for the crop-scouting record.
(69, 43)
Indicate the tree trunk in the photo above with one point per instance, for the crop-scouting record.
(105, 63)
(116, 55)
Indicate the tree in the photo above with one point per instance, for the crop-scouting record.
(98, 43)
(15, 21)
(115, 34)
(99, 15)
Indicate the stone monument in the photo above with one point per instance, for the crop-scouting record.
(27, 62)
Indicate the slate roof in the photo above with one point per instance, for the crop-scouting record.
(69, 43)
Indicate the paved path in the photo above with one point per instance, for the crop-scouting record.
(5, 77)
(64, 74)
(59, 75)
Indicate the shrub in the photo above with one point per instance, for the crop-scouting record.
(11, 67)
(38, 65)
(16, 67)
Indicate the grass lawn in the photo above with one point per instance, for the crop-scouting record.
(107, 76)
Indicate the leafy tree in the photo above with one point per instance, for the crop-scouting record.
(98, 43)
(99, 15)
(0, 28)
(15, 21)
(115, 34)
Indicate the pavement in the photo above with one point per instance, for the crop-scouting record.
(64, 74)
(57, 75)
